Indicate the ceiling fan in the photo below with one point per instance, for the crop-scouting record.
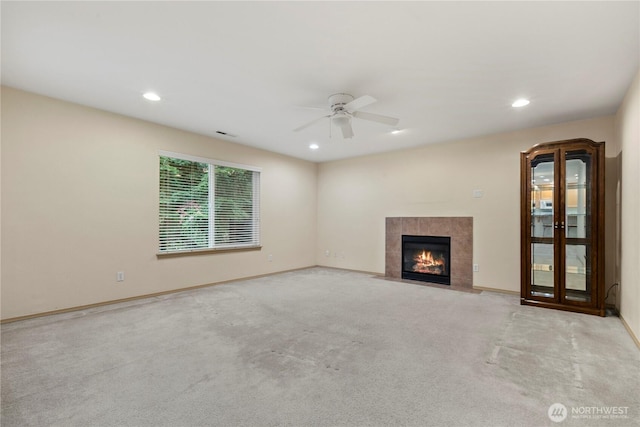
(344, 107)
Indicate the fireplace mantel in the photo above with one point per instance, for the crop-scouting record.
(460, 229)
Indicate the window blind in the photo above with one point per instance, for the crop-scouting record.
(207, 204)
(236, 206)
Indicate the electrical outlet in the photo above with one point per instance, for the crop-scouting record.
(270, 257)
(476, 268)
(478, 194)
(120, 276)
(327, 253)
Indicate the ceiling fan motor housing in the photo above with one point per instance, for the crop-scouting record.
(339, 100)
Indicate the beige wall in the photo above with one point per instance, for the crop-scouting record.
(80, 202)
(627, 127)
(355, 196)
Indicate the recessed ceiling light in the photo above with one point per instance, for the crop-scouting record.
(314, 146)
(520, 103)
(151, 96)
(396, 131)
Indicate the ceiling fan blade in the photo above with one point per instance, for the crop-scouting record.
(347, 130)
(391, 121)
(359, 103)
(312, 122)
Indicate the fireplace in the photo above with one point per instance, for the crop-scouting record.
(460, 231)
(427, 258)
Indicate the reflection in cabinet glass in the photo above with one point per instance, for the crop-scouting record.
(562, 226)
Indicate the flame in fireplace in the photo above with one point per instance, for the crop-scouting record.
(426, 257)
(425, 262)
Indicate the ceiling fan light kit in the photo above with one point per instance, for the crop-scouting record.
(343, 107)
(343, 122)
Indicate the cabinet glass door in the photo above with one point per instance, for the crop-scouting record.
(577, 203)
(542, 226)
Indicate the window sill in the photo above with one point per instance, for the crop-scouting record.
(208, 251)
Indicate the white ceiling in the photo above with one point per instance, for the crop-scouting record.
(448, 70)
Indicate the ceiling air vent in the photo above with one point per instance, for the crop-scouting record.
(219, 132)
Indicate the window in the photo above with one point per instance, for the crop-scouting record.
(207, 204)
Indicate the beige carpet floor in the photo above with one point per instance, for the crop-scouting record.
(319, 347)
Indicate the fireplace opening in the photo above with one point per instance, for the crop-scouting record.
(427, 258)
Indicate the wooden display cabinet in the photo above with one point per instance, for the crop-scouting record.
(562, 226)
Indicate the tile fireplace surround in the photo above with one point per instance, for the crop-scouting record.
(460, 229)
